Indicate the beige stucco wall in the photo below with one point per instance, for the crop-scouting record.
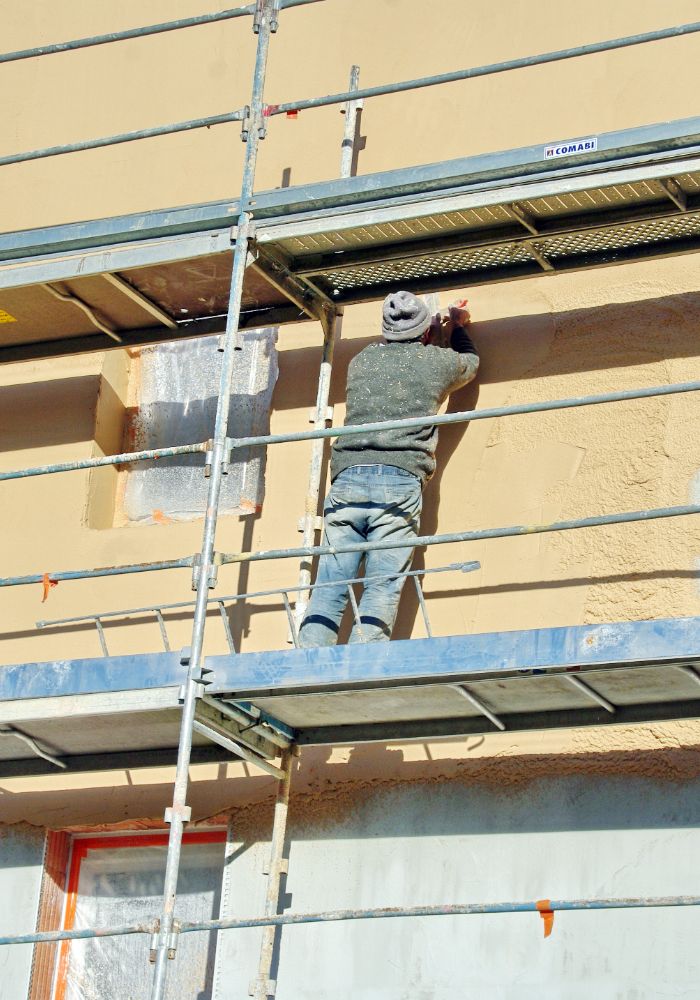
(542, 338)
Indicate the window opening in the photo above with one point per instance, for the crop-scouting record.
(176, 392)
(118, 880)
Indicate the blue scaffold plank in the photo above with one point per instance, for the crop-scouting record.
(101, 675)
(442, 659)
(449, 658)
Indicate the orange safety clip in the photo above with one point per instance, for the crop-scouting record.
(47, 583)
(547, 914)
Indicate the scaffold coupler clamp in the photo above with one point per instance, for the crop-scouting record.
(245, 124)
(200, 676)
(212, 572)
(209, 458)
(262, 989)
(248, 228)
(273, 7)
(170, 941)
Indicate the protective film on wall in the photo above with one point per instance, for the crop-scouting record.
(177, 397)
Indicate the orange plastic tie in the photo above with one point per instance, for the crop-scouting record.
(47, 583)
(547, 914)
(160, 518)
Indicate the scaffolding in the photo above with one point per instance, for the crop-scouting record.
(651, 179)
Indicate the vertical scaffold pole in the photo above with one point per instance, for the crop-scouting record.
(331, 332)
(264, 987)
(205, 570)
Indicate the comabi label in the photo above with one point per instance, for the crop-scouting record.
(570, 148)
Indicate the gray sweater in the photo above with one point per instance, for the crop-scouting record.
(390, 381)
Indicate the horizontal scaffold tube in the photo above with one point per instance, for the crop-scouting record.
(126, 458)
(331, 432)
(115, 140)
(149, 29)
(463, 567)
(377, 913)
(463, 536)
(488, 70)
(467, 415)
(226, 558)
(89, 574)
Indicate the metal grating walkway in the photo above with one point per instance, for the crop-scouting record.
(162, 275)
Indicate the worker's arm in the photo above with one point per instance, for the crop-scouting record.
(466, 364)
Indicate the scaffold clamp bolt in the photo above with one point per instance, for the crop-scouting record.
(153, 951)
(171, 943)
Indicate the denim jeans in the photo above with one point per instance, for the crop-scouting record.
(366, 503)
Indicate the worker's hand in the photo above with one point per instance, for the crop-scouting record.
(436, 334)
(459, 314)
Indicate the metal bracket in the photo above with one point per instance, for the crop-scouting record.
(245, 124)
(250, 231)
(213, 571)
(282, 867)
(260, 7)
(153, 951)
(545, 264)
(225, 741)
(172, 939)
(209, 458)
(317, 523)
(182, 813)
(33, 745)
(200, 677)
(315, 416)
(675, 192)
(261, 989)
(275, 267)
(258, 16)
(249, 734)
(523, 217)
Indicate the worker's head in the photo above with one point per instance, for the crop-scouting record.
(404, 317)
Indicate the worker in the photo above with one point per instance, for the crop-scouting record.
(377, 478)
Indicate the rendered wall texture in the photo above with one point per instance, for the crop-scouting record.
(206, 70)
(543, 338)
(21, 858)
(421, 843)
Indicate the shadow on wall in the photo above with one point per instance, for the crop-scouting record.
(487, 793)
(542, 346)
(49, 414)
(242, 615)
(610, 336)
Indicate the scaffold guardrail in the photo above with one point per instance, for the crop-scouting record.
(254, 118)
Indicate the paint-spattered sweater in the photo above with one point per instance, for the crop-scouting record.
(390, 381)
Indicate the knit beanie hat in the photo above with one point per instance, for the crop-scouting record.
(404, 317)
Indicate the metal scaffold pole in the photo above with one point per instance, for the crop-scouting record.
(332, 323)
(165, 943)
(264, 986)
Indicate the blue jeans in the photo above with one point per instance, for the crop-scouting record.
(366, 503)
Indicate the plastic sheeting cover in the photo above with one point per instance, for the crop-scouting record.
(179, 384)
(125, 885)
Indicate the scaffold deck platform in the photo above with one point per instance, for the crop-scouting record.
(165, 274)
(123, 711)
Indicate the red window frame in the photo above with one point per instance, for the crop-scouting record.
(81, 846)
